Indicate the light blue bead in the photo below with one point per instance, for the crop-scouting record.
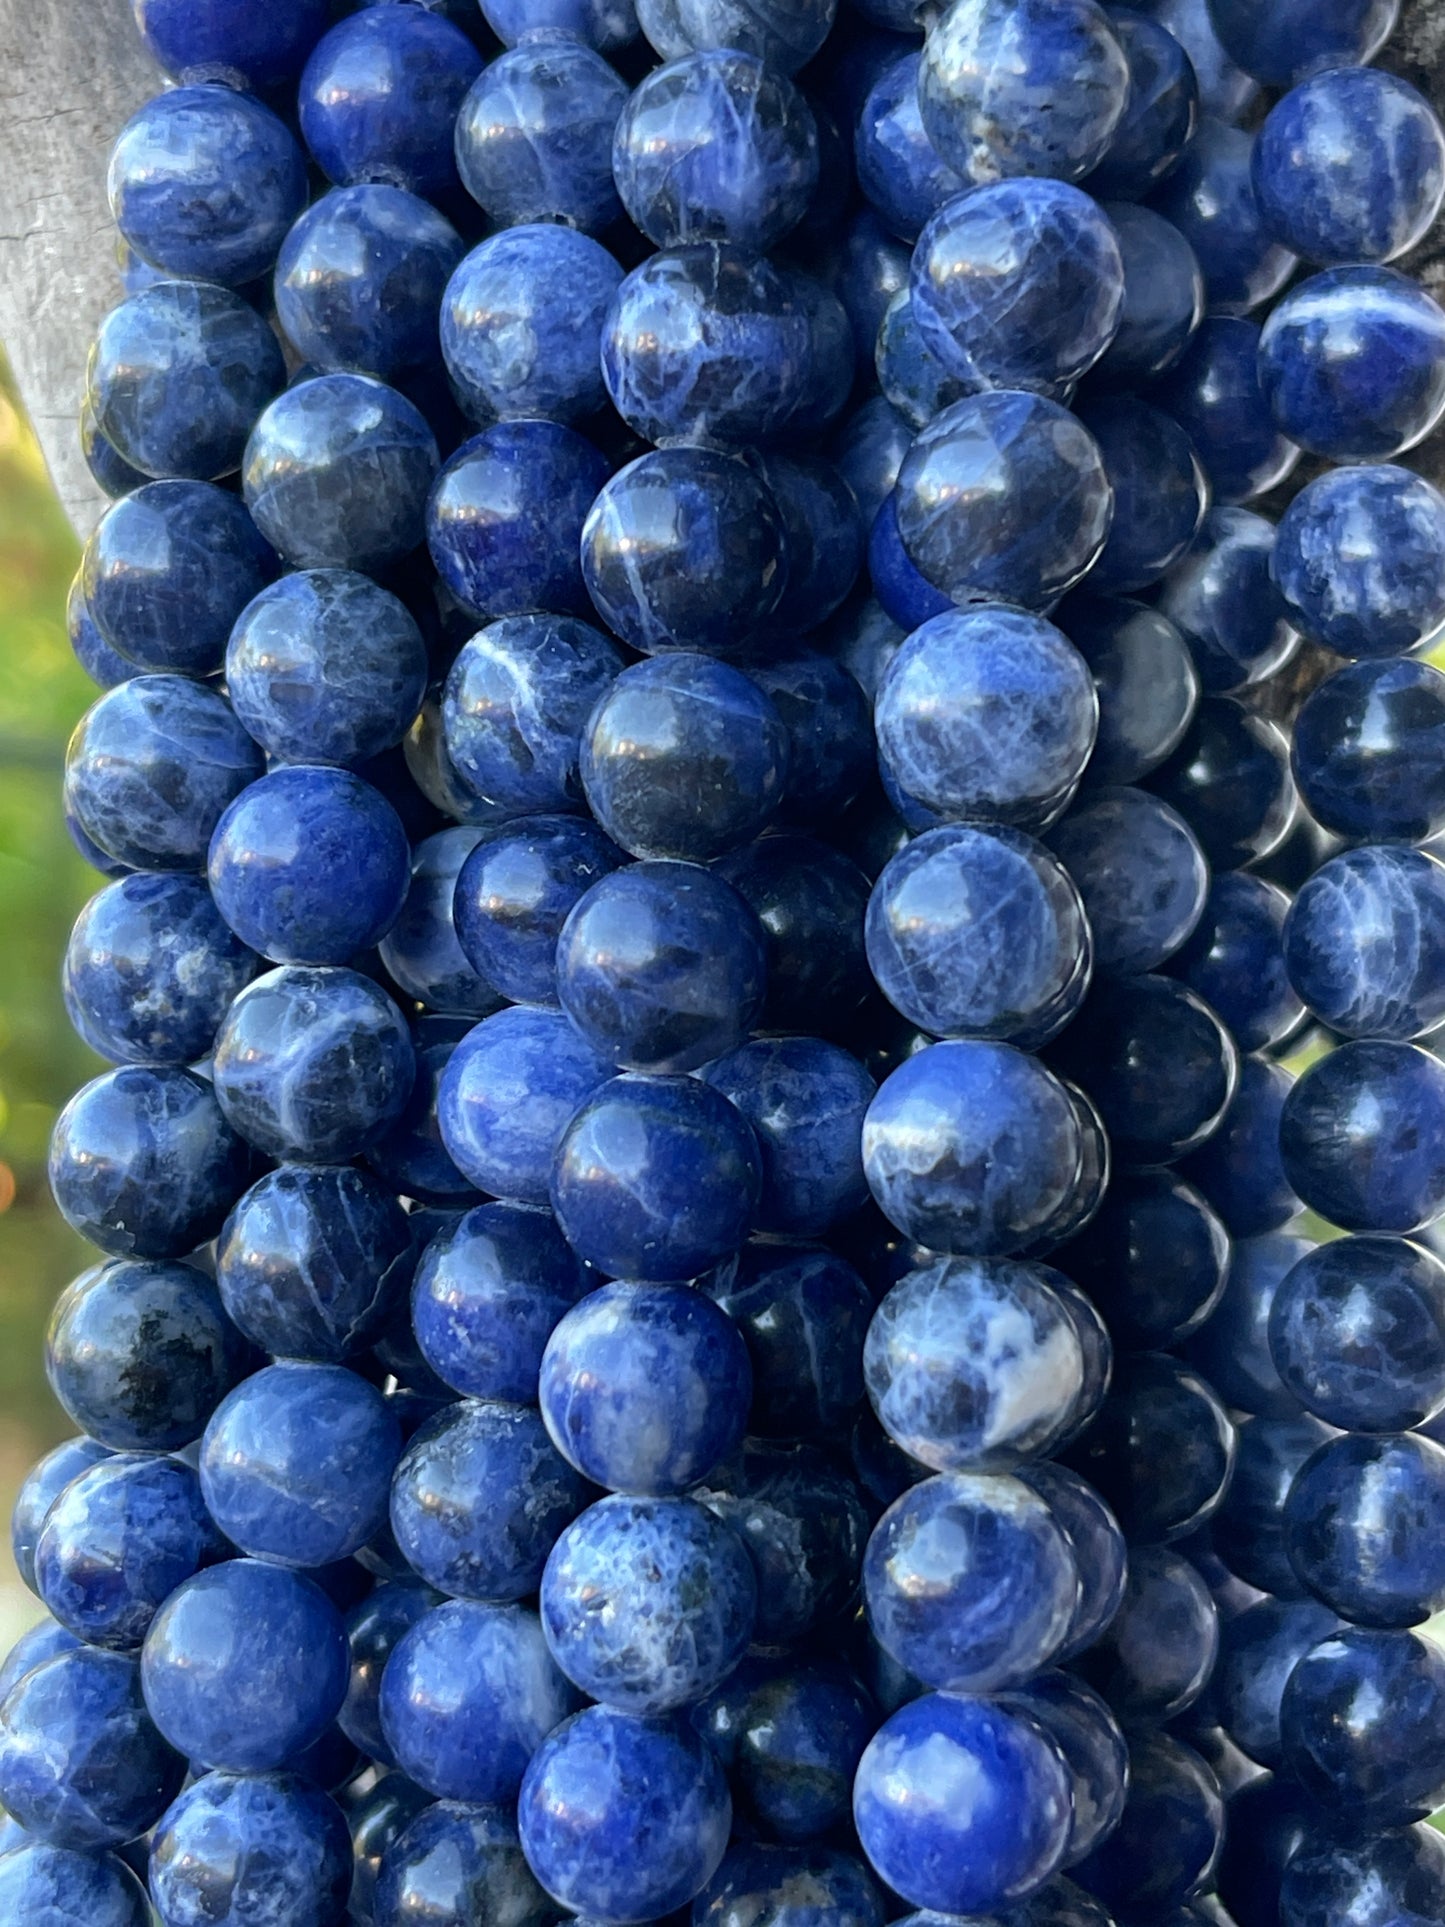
(1210, 198)
(534, 136)
(1360, 560)
(1365, 943)
(234, 1844)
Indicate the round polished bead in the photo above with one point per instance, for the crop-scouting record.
(1097, 1545)
(1398, 1876)
(803, 1313)
(1146, 682)
(454, 1858)
(1286, 42)
(43, 1883)
(245, 1666)
(234, 1843)
(607, 25)
(100, 660)
(374, 1627)
(1213, 392)
(204, 182)
(1363, 1528)
(1160, 492)
(1161, 1451)
(514, 894)
(1222, 598)
(420, 951)
(1139, 872)
(1210, 198)
(790, 1737)
(783, 1885)
(810, 900)
(1369, 751)
(902, 175)
(786, 37)
(1157, 1654)
(534, 136)
(1235, 960)
(225, 39)
(409, 1156)
(1360, 1722)
(1004, 496)
(1163, 302)
(1259, 1649)
(1239, 1170)
(1154, 1260)
(1352, 363)
(1361, 1137)
(910, 373)
(1249, 1530)
(1224, 88)
(39, 1490)
(1168, 1842)
(829, 730)
(1233, 1348)
(1162, 111)
(1094, 1750)
(1360, 560)
(1230, 780)
(1365, 943)
(905, 596)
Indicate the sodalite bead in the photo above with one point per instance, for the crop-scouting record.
(150, 768)
(1157, 1654)
(1094, 1750)
(236, 1843)
(245, 1666)
(1324, 1876)
(684, 549)
(451, 1858)
(1286, 42)
(109, 469)
(1168, 1842)
(1233, 1348)
(1248, 1531)
(1096, 1543)
(1360, 559)
(910, 373)
(1163, 302)
(803, 1314)
(39, 1490)
(830, 734)
(1224, 89)
(1365, 943)
(515, 892)
(313, 1064)
(1210, 199)
(903, 176)
(374, 1628)
(1004, 497)
(625, 1819)
(906, 598)
(409, 1155)
(521, 324)
(144, 1164)
(1223, 600)
(872, 267)
(1375, 1573)
(225, 40)
(1235, 960)
(1162, 1450)
(1019, 285)
(1230, 781)
(806, 1101)
(420, 951)
(1361, 1137)
(360, 278)
(81, 1764)
(957, 1853)
(1153, 1260)
(102, 663)
(1369, 751)
(43, 1883)
(786, 37)
(1145, 678)
(43, 1641)
(379, 97)
(1031, 89)
(204, 182)
(337, 471)
(1140, 873)
(1359, 1722)
(790, 1737)
(479, 1499)
(534, 136)
(1239, 1169)
(824, 538)
(656, 1178)
(140, 1355)
(1162, 111)
(790, 1886)
(468, 1696)
(810, 900)
(1259, 1650)
(607, 25)
(1213, 392)
(1160, 492)
(1352, 363)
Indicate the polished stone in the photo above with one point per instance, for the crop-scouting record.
(790, 1736)
(786, 36)
(534, 136)
(803, 1313)
(1233, 1348)
(1230, 781)
(1361, 1137)
(1239, 1170)
(872, 267)
(1160, 492)
(1087, 1734)
(1163, 303)
(1096, 1543)
(1295, 38)
(1157, 1655)
(1210, 198)
(1365, 943)
(1224, 88)
(789, 1886)
(454, 1862)
(58, 1887)
(1369, 751)
(1154, 1260)
(903, 594)
(421, 952)
(824, 538)
(1145, 679)
(829, 726)
(1360, 560)
(1162, 112)
(514, 895)
(910, 373)
(1222, 598)
(1389, 1877)
(1259, 1649)
(260, 54)
(1248, 1532)
(1140, 873)
(241, 1847)
(1363, 1527)
(104, 664)
(1162, 1450)
(902, 175)
(377, 1821)
(409, 1156)
(1360, 1726)
(1236, 962)
(810, 900)
(43, 1641)
(1213, 392)
(373, 1628)
(1167, 1844)
(39, 1490)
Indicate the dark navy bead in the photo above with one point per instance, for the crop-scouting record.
(81, 1764)
(479, 1499)
(225, 40)
(1289, 40)
(534, 136)
(245, 1666)
(1163, 298)
(521, 324)
(1018, 285)
(421, 952)
(42, 1486)
(1363, 1528)
(902, 175)
(1161, 1451)
(144, 1164)
(1235, 960)
(117, 1543)
(830, 734)
(1352, 363)
(1369, 751)
(1145, 678)
(1097, 1544)
(790, 1738)
(1360, 560)
(1233, 1348)
(1224, 89)
(910, 373)
(454, 1859)
(824, 539)
(151, 767)
(238, 1845)
(1223, 600)
(624, 1819)
(1248, 1531)
(103, 664)
(373, 1629)
(42, 1883)
(1365, 943)
(337, 472)
(1167, 1844)
(684, 549)
(810, 900)
(1153, 1260)
(830, 363)
(379, 97)
(1361, 1137)
(1157, 1653)
(1094, 1750)
(140, 1355)
(468, 1696)
(607, 25)
(973, 1855)
(789, 1886)
(1259, 1650)
(1360, 1725)
(1239, 1169)
(204, 182)
(1160, 492)
(515, 892)
(871, 269)
(360, 278)
(1162, 111)
(409, 1156)
(803, 1314)
(1140, 873)
(1004, 497)
(1213, 392)
(1391, 1876)
(1210, 198)
(906, 597)
(1230, 781)
(786, 37)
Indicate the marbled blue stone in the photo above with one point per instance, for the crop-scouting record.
(786, 36)
(151, 767)
(421, 950)
(1145, 678)
(1160, 492)
(625, 1819)
(1163, 298)
(789, 1886)
(912, 376)
(645, 1389)
(975, 1364)
(824, 539)
(1259, 1649)
(454, 1860)
(790, 1736)
(1248, 1532)
(409, 1156)
(360, 278)
(1360, 1725)
(1236, 961)
(534, 136)
(1019, 285)
(1153, 1260)
(103, 664)
(905, 596)
(1287, 41)
(607, 25)
(1157, 1654)
(1391, 1876)
(939, 1849)
(1361, 1137)
(226, 39)
(803, 1314)
(379, 97)
(1224, 89)
(57, 1887)
(1213, 392)
(144, 1163)
(1096, 1543)
(373, 1629)
(505, 517)
(1352, 363)
(1360, 560)
(337, 471)
(1210, 199)
(1140, 873)
(871, 268)
(830, 734)
(903, 176)
(1369, 751)
(521, 324)
(313, 1064)
(1230, 780)
(1087, 1734)
(1035, 89)
(43, 1641)
(237, 1848)
(515, 892)
(1162, 111)
(1004, 496)
(1239, 1170)
(1161, 1451)
(1363, 1527)
(42, 1486)
(479, 1499)
(1168, 1842)
(140, 1355)
(810, 900)
(117, 1543)
(469, 1694)
(1365, 943)
(204, 182)
(1233, 1348)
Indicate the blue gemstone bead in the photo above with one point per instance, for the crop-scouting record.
(806, 1101)
(1167, 1844)
(786, 37)
(1163, 298)
(1365, 943)
(245, 1666)
(1352, 363)
(237, 1846)
(360, 278)
(455, 1859)
(1369, 754)
(379, 97)
(144, 1164)
(1162, 111)
(1361, 1137)
(313, 1064)
(521, 324)
(1239, 1169)
(656, 1178)
(41, 1487)
(1224, 89)
(607, 25)
(468, 1696)
(903, 176)
(1145, 679)
(621, 1818)
(1236, 960)
(140, 1355)
(803, 1314)
(1140, 873)
(103, 664)
(1157, 1654)
(1160, 492)
(373, 1629)
(830, 734)
(43, 1641)
(421, 952)
(226, 40)
(534, 136)
(409, 1156)
(906, 598)
(1360, 560)
(1019, 285)
(1402, 1875)
(1213, 392)
(1162, 1450)
(117, 1543)
(204, 182)
(1210, 198)
(645, 1389)
(824, 541)
(962, 1856)
(81, 1764)
(514, 894)
(1233, 1348)
(1258, 1651)
(790, 1886)
(1377, 1576)
(913, 378)
(871, 268)
(42, 1883)
(1248, 1531)
(1034, 89)
(152, 766)
(1096, 1543)
(1094, 1750)
(810, 900)
(1230, 781)
(1360, 1725)
(790, 1737)
(1153, 1260)
(1285, 42)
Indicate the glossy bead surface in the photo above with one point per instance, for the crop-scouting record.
(1097, 1545)
(1157, 1654)
(910, 373)
(58, 1885)
(1259, 1649)
(420, 951)
(227, 39)
(1393, 1875)
(1162, 112)
(1291, 40)
(1167, 1844)
(1369, 751)
(514, 894)
(1233, 1348)
(534, 136)
(1145, 679)
(1224, 88)
(1230, 781)
(1365, 943)
(233, 1844)
(810, 900)
(1153, 1259)
(100, 660)
(1360, 559)
(829, 728)
(1360, 1726)
(374, 1626)
(1160, 492)
(607, 25)
(786, 37)
(1086, 1733)
(1163, 301)
(1139, 872)
(902, 175)
(1161, 1451)
(1236, 962)
(1213, 392)
(803, 1313)
(1210, 198)
(455, 1859)
(1360, 1137)
(1363, 1528)
(1239, 1170)
(1248, 1531)
(1222, 598)
(39, 1490)
(905, 596)
(789, 1886)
